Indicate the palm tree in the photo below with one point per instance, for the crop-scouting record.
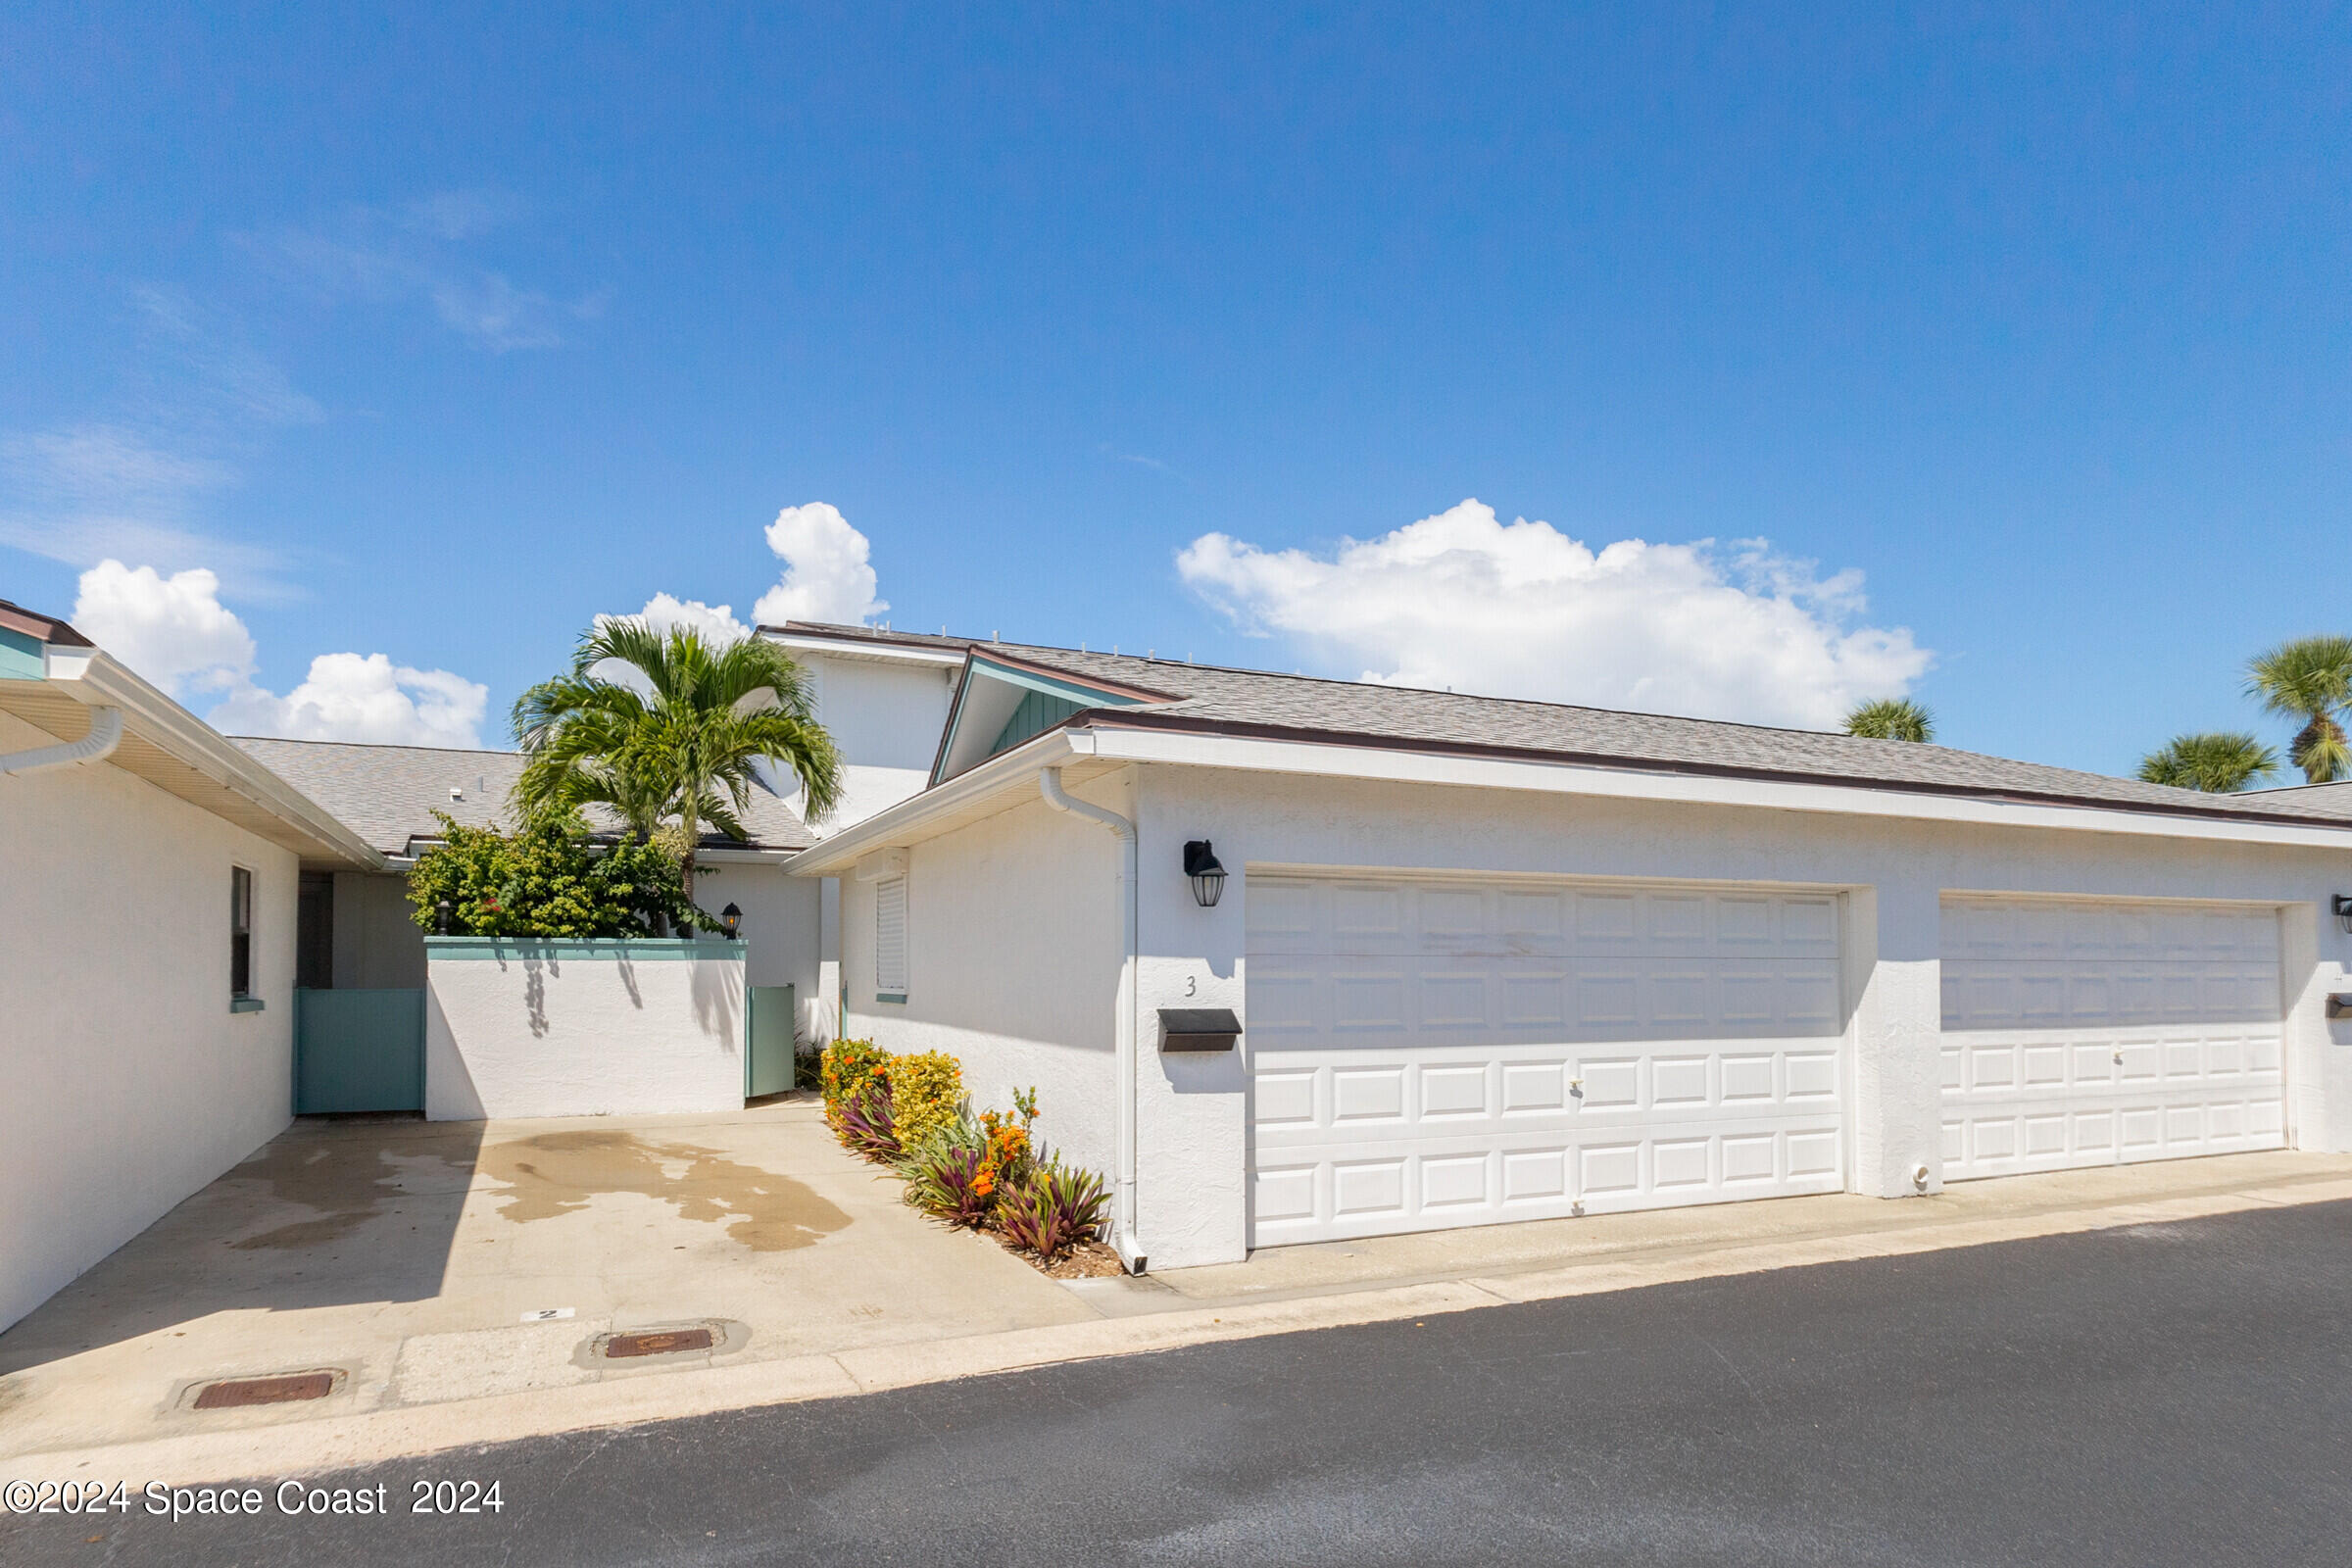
(678, 751)
(1892, 718)
(2221, 764)
(2309, 678)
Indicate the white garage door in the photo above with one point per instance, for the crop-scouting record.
(1427, 1053)
(2094, 1033)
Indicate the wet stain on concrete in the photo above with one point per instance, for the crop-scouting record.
(558, 1174)
(346, 1180)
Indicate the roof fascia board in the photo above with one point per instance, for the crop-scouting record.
(904, 822)
(1340, 760)
(93, 678)
(878, 652)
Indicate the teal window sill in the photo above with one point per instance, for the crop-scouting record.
(244, 1003)
(898, 997)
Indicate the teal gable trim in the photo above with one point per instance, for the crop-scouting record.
(555, 950)
(1075, 695)
(21, 655)
(1038, 713)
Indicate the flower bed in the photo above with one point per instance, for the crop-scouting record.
(984, 1172)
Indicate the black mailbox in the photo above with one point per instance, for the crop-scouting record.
(1198, 1028)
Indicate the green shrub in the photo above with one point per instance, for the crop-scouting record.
(549, 880)
(843, 1068)
(926, 1095)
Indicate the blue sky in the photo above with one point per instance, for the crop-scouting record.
(2020, 337)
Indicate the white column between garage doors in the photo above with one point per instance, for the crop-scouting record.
(1431, 1052)
(2081, 1032)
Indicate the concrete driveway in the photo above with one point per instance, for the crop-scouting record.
(415, 1261)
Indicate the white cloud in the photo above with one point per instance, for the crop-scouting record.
(173, 630)
(1520, 609)
(716, 622)
(362, 697)
(176, 632)
(826, 573)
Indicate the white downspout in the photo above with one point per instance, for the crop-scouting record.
(1123, 1238)
(106, 733)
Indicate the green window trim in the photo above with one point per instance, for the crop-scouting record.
(898, 997)
(245, 1004)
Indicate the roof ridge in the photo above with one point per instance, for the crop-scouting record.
(381, 746)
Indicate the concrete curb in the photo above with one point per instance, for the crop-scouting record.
(331, 1443)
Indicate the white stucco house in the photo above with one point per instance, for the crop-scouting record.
(147, 980)
(1477, 961)
(1289, 959)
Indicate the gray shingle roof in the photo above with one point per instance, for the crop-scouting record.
(1206, 697)
(388, 794)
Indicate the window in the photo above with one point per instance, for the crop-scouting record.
(890, 940)
(240, 933)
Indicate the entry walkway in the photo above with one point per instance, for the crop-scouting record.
(457, 1281)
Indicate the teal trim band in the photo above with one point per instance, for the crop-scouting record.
(1073, 690)
(898, 997)
(21, 655)
(555, 950)
(244, 1003)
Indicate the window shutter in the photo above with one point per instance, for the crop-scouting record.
(889, 936)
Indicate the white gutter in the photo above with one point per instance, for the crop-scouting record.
(106, 733)
(95, 680)
(1123, 1238)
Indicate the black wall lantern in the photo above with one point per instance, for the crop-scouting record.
(1208, 877)
(732, 918)
(2343, 910)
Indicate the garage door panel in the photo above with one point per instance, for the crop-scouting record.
(2080, 1033)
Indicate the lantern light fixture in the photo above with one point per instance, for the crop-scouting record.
(732, 918)
(2343, 910)
(1208, 877)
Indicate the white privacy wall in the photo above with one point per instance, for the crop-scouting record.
(1012, 965)
(781, 930)
(580, 1029)
(1192, 1129)
(130, 1084)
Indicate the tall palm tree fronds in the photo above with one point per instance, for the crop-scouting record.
(2220, 763)
(680, 751)
(1892, 718)
(2309, 678)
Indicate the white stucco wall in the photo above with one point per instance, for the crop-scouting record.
(885, 719)
(1012, 965)
(782, 929)
(562, 1029)
(129, 1083)
(1015, 934)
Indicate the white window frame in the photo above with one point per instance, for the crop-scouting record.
(889, 956)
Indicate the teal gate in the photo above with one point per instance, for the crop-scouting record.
(358, 1050)
(768, 1064)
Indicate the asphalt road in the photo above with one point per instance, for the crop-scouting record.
(2175, 1394)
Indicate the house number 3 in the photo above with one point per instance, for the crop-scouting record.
(1192, 985)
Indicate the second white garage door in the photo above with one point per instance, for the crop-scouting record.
(2078, 1033)
(1432, 1052)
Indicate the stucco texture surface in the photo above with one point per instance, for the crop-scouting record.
(533, 1031)
(130, 1084)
